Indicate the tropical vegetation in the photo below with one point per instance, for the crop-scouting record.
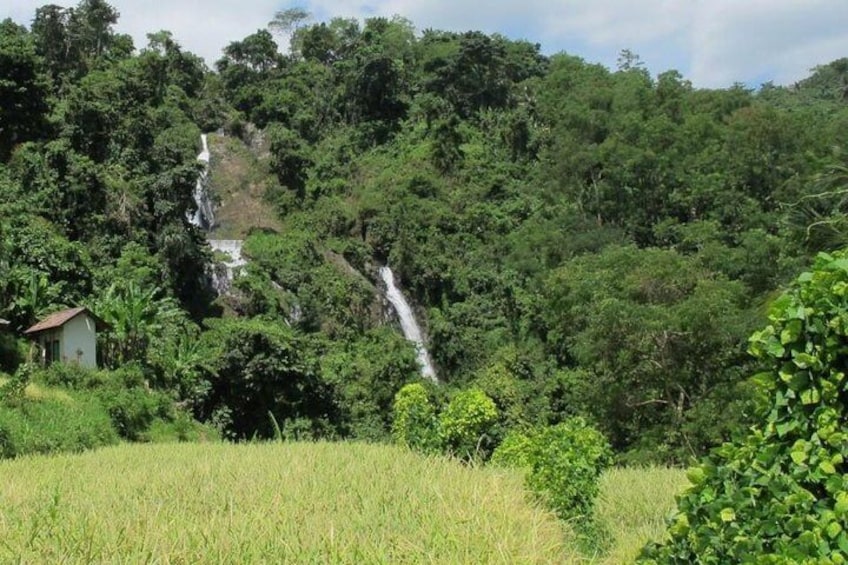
(587, 249)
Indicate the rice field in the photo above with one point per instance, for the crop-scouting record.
(274, 503)
(633, 506)
(294, 503)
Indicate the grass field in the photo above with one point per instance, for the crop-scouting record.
(633, 506)
(314, 503)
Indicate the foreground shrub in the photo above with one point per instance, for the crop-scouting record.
(133, 410)
(463, 428)
(414, 423)
(465, 423)
(563, 462)
(516, 450)
(780, 495)
(69, 375)
(51, 425)
(13, 389)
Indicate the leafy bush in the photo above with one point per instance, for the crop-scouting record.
(258, 367)
(563, 464)
(781, 493)
(366, 375)
(516, 450)
(69, 375)
(567, 460)
(51, 425)
(182, 428)
(10, 352)
(133, 410)
(414, 422)
(464, 424)
(122, 392)
(14, 389)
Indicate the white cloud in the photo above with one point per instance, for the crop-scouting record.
(712, 42)
(779, 40)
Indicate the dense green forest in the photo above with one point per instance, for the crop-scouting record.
(579, 241)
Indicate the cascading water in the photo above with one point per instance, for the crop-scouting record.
(408, 324)
(204, 217)
(231, 248)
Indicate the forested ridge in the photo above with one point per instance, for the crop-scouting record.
(579, 241)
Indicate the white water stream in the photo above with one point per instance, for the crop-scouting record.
(232, 248)
(204, 217)
(410, 327)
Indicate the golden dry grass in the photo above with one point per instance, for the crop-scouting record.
(270, 503)
(633, 505)
(313, 503)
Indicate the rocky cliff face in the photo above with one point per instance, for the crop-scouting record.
(239, 179)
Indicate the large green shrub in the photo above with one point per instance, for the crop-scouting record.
(516, 450)
(133, 410)
(55, 424)
(563, 464)
(14, 389)
(70, 375)
(10, 352)
(256, 367)
(464, 424)
(414, 423)
(123, 392)
(780, 495)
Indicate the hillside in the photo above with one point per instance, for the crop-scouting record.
(239, 180)
(575, 240)
(339, 503)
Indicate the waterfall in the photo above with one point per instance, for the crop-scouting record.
(231, 248)
(408, 324)
(204, 217)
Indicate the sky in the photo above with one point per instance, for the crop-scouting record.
(713, 43)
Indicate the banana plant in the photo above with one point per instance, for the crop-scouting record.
(133, 315)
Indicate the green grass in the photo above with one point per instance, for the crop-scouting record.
(314, 503)
(50, 420)
(35, 391)
(633, 506)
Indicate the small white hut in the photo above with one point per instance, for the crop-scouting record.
(69, 336)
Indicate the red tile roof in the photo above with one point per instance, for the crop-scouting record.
(59, 319)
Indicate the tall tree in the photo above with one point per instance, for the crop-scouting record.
(23, 89)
